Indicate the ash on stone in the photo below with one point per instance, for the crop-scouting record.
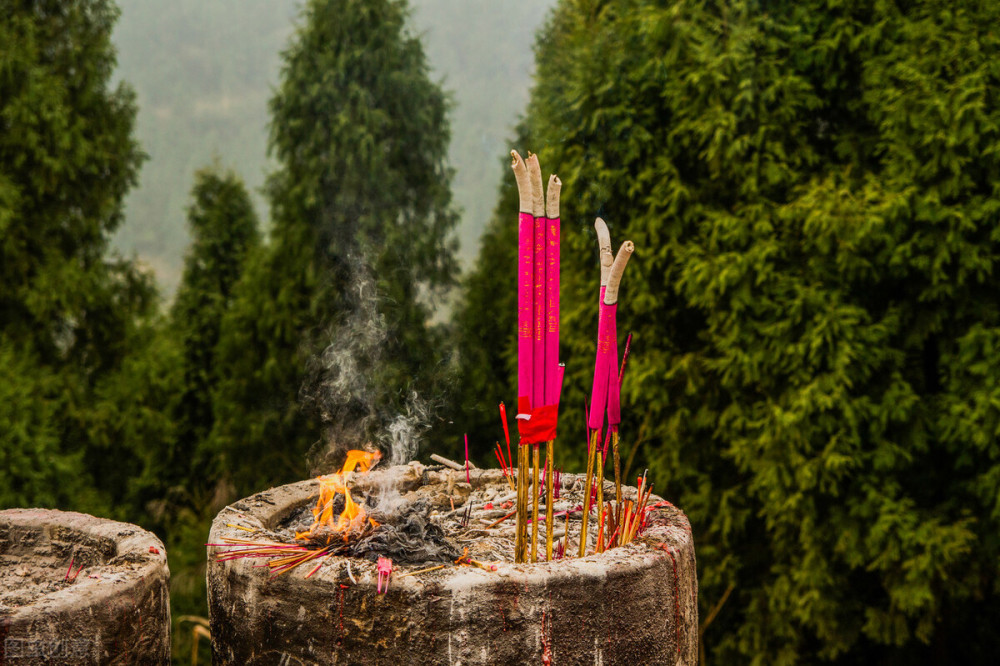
(405, 533)
(407, 537)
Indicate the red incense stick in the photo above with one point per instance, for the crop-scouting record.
(467, 478)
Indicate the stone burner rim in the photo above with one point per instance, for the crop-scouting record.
(131, 544)
(268, 507)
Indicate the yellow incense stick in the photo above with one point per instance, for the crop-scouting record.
(599, 461)
(586, 491)
(521, 541)
(549, 476)
(534, 505)
(420, 571)
(565, 549)
(618, 465)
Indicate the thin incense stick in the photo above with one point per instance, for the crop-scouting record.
(591, 450)
(506, 431)
(534, 511)
(521, 540)
(550, 466)
(599, 460)
(467, 479)
(618, 477)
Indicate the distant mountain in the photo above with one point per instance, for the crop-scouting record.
(204, 71)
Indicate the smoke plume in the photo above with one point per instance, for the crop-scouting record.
(342, 385)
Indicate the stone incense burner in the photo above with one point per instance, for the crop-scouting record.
(110, 606)
(635, 604)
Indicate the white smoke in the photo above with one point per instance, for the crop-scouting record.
(341, 385)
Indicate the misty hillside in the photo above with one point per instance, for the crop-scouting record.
(203, 74)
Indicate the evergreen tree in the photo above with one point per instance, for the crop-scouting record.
(68, 311)
(360, 136)
(812, 194)
(485, 362)
(223, 228)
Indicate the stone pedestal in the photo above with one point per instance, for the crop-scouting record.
(631, 605)
(112, 607)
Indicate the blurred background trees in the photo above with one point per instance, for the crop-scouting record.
(814, 378)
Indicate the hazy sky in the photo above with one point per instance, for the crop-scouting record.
(204, 71)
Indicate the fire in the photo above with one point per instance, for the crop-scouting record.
(353, 516)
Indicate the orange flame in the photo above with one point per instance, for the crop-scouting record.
(353, 516)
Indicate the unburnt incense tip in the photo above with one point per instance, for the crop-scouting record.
(523, 179)
(535, 179)
(552, 197)
(617, 269)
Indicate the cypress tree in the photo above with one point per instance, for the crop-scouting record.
(67, 157)
(223, 228)
(811, 188)
(360, 136)
(68, 310)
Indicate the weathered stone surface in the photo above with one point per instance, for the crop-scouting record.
(115, 611)
(632, 605)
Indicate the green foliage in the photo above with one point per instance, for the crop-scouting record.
(224, 230)
(66, 160)
(68, 313)
(360, 135)
(812, 194)
(34, 468)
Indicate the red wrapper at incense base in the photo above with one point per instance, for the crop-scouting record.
(525, 302)
(540, 426)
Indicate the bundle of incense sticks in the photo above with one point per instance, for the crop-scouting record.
(620, 524)
(539, 373)
(282, 557)
(605, 394)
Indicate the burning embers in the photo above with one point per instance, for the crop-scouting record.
(373, 525)
(333, 491)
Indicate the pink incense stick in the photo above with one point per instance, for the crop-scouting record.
(539, 360)
(553, 384)
(525, 302)
(525, 277)
(538, 345)
(467, 479)
(604, 365)
(605, 394)
(614, 389)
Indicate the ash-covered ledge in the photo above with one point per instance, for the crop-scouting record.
(635, 604)
(110, 607)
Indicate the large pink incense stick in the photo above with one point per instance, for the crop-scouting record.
(539, 362)
(599, 390)
(553, 379)
(610, 302)
(614, 415)
(605, 392)
(604, 365)
(525, 278)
